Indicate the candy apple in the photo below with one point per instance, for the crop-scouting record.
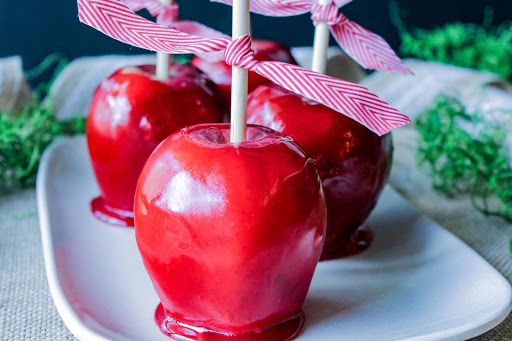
(353, 162)
(230, 234)
(264, 50)
(130, 114)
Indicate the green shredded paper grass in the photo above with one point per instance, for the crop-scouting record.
(457, 161)
(24, 136)
(481, 47)
(461, 163)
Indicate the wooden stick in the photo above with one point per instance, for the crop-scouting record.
(163, 59)
(321, 43)
(239, 83)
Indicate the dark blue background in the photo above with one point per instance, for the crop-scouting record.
(36, 28)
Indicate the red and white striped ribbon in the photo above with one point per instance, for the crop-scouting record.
(368, 49)
(116, 20)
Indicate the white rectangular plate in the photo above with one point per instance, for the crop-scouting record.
(417, 282)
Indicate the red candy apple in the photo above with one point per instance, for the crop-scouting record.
(230, 235)
(130, 114)
(264, 50)
(353, 162)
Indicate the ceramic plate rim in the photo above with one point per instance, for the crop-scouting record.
(66, 312)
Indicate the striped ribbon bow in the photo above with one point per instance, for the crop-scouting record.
(116, 20)
(368, 49)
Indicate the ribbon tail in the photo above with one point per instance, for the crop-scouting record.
(117, 21)
(367, 48)
(349, 99)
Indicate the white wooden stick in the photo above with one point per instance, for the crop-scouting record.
(163, 59)
(239, 85)
(321, 43)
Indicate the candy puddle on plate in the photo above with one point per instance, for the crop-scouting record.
(417, 282)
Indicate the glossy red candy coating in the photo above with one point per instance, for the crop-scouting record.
(111, 215)
(230, 235)
(284, 331)
(130, 114)
(264, 50)
(353, 162)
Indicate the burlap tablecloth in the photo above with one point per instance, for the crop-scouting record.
(27, 311)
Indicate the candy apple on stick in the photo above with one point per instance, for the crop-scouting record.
(353, 162)
(230, 225)
(355, 167)
(230, 232)
(131, 112)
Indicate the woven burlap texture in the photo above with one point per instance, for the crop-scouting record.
(27, 311)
